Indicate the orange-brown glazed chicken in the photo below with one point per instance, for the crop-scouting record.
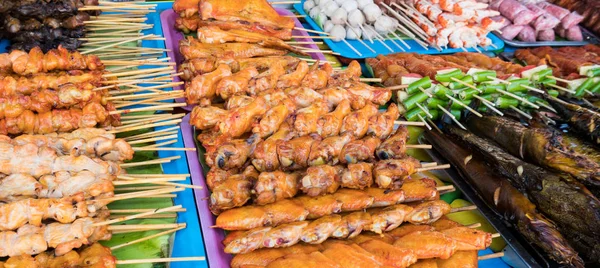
(359, 150)
(408, 228)
(234, 153)
(210, 34)
(202, 88)
(392, 173)
(330, 124)
(320, 229)
(320, 180)
(306, 119)
(460, 259)
(312, 260)
(428, 244)
(347, 256)
(389, 255)
(263, 257)
(266, 80)
(388, 218)
(274, 186)
(469, 239)
(252, 11)
(293, 154)
(428, 212)
(385, 197)
(395, 146)
(320, 206)
(327, 151)
(419, 189)
(186, 8)
(317, 78)
(303, 96)
(346, 77)
(357, 176)
(240, 120)
(353, 200)
(235, 84)
(216, 176)
(357, 122)
(381, 125)
(264, 158)
(335, 95)
(273, 119)
(365, 93)
(233, 192)
(293, 79)
(237, 101)
(192, 48)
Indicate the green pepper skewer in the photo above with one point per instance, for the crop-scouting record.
(454, 100)
(488, 104)
(520, 112)
(413, 87)
(452, 117)
(447, 76)
(581, 90)
(484, 76)
(440, 91)
(434, 102)
(412, 100)
(504, 102)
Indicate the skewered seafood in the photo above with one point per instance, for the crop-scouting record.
(507, 200)
(36, 61)
(304, 207)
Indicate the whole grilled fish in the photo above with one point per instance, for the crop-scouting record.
(585, 121)
(506, 200)
(543, 146)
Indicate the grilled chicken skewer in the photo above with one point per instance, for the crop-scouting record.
(63, 238)
(106, 148)
(95, 255)
(14, 85)
(306, 207)
(45, 161)
(346, 226)
(34, 62)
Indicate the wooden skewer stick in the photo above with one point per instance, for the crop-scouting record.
(397, 87)
(424, 122)
(156, 175)
(465, 84)
(424, 110)
(141, 149)
(430, 164)
(131, 217)
(489, 104)
(562, 88)
(451, 117)
(143, 96)
(520, 112)
(118, 43)
(140, 194)
(444, 188)
(352, 47)
(359, 40)
(156, 118)
(313, 37)
(496, 235)
(160, 260)
(141, 71)
(151, 162)
(400, 39)
(161, 144)
(144, 227)
(474, 225)
(152, 101)
(464, 105)
(150, 108)
(181, 185)
(559, 79)
(295, 16)
(144, 181)
(418, 146)
(138, 210)
(546, 106)
(146, 238)
(140, 188)
(373, 80)
(166, 131)
(491, 256)
(518, 98)
(466, 208)
(303, 43)
(161, 138)
(409, 123)
(311, 31)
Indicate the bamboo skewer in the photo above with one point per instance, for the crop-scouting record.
(491, 256)
(464, 105)
(135, 216)
(424, 122)
(137, 149)
(139, 210)
(118, 43)
(150, 108)
(145, 181)
(409, 123)
(466, 208)
(451, 116)
(146, 238)
(144, 227)
(160, 260)
(151, 162)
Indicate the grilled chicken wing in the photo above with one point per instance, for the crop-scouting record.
(314, 260)
(359, 150)
(202, 88)
(320, 229)
(191, 48)
(357, 122)
(286, 211)
(248, 217)
(460, 259)
(379, 96)
(317, 78)
(346, 77)
(335, 95)
(357, 176)
(293, 154)
(274, 186)
(330, 124)
(389, 255)
(444, 223)
(347, 256)
(428, 212)
(395, 146)
(408, 228)
(328, 150)
(419, 189)
(389, 218)
(320, 180)
(306, 118)
(381, 125)
(238, 101)
(385, 197)
(272, 120)
(235, 84)
(469, 239)
(320, 206)
(233, 192)
(233, 154)
(353, 200)
(244, 242)
(216, 176)
(353, 224)
(263, 158)
(392, 173)
(428, 244)
(263, 257)
(293, 79)
(207, 117)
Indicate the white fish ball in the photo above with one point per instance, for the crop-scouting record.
(308, 5)
(329, 8)
(372, 12)
(363, 3)
(317, 2)
(356, 18)
(328, 26)
(338, 33)
(369, 33)
(339, 16)
(353, 33)
(340, 2)
(314, 12)
(323, 3)
(321, 19)
(384, 24)
(350, 5)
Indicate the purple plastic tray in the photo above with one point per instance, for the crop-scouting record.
(215, 253)
(172, 36)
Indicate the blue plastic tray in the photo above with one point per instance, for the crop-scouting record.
(345, 51)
